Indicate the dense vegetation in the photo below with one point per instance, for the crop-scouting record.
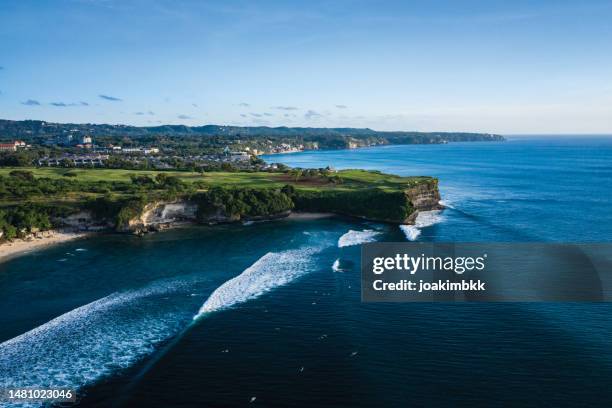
(20, 220)
(28, 129)
(374, 204)
(237, 203)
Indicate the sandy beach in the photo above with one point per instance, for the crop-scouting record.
(20, 247)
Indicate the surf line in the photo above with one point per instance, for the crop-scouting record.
(127, 390)
(259, 278)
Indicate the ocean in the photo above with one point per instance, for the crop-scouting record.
(269, 314)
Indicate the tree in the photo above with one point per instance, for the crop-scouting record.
(17, 159)
(142, 180)
(336, 179)
(296, 173)
(288, 190)
(66, 163)
(161, 178)
(22, 174)
(228, 167)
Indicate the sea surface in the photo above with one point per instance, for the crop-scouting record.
(269, 314)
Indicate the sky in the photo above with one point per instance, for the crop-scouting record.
(506, 67)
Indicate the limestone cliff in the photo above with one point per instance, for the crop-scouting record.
(80, 221)
(423, 197)
(162, 214)
(396, 206)
(399, 206)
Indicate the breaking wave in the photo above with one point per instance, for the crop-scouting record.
(411, 232)
(272, 270)
(113, 333)
(92, 341)
(424, 219)
(357, 237)
(447, 204)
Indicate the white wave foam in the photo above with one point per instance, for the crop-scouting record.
(447, 204)
(411, 232)
(272, 270)
(424, 219)
(336, 265)
(90, 342)
(357, 237)
(428, 218)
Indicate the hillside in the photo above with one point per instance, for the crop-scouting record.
(35, 131)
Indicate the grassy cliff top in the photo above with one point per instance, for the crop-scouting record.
(35, 198)
(350, 179)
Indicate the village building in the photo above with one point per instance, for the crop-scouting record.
(92, 160)
(8, 147)
(13, 146)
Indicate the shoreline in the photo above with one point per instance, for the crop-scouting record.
(382, 145)
(18, 247)
(309, 215)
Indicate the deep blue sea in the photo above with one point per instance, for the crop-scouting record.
(269, 314)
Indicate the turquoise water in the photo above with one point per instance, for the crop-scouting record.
(277, 325)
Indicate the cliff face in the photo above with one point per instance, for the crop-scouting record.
(376, 204)
(80, 221)
(422, 197)
(161, 214)
(396, 207)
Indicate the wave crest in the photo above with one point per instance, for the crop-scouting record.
(424, 219)
(89, 342)
(353, 237)
(272, 270)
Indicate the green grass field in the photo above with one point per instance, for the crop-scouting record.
(351, 179)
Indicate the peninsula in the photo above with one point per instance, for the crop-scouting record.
(35, 200)
(58, 181)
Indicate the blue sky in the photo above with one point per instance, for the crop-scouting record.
(493, 66)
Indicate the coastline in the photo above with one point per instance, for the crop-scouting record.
(18, 247)
(354, 147)
(309, 215)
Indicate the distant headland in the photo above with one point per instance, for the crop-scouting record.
(209, 138)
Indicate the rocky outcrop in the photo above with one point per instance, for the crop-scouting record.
(395, 206)
(423, 197)
(221, 218)
(161, 215)
(81, 221)
(398, 207)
